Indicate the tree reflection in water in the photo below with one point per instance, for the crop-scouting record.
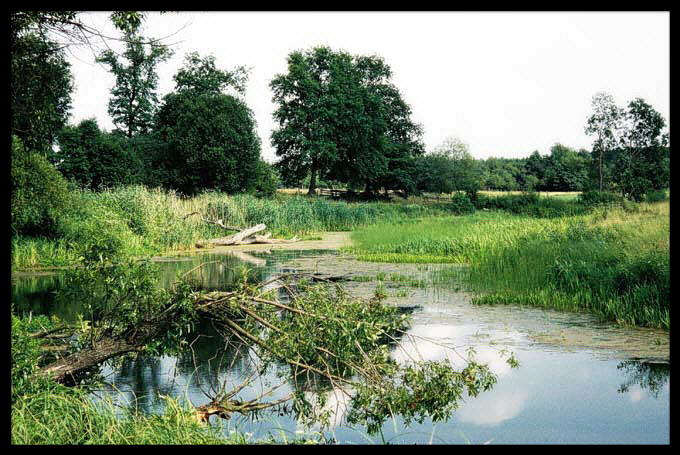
(649, 376)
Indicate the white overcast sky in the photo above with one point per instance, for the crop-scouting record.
(505, 83)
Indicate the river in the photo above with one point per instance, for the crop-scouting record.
(580, 381)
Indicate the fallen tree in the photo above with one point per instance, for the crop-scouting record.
(308, 323)
(244, 237)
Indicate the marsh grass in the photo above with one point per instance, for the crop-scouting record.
(613, 262)
(52, 417)
(136, 221)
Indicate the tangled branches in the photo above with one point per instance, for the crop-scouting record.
(308, 327)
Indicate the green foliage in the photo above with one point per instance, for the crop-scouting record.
(133, 97)
(595, 197)
(340, 115)
(656, 196)
(426, 389)
(567, 169)
(350, 328)
(531, 204)
(631, 149)
(461, 204)
(201, 75)
(604, 124)
(26, 354)
(127, 21)
(123, 300)
(97, 159)
(39, 193)
(267, 179)
(208, 138)
(40, 90)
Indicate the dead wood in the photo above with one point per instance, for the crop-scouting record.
(245, 237)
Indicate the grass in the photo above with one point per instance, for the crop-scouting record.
(136, 221)
(613, 262)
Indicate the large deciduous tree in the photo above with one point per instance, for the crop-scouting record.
(133, 97)
(208, 137)
(341, 118)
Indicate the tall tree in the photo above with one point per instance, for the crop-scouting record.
(340, 116)
(133, 100)
(605, 124)
(209, 139)
(40, 91)
(641, 164)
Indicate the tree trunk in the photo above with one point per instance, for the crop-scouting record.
(601, 169)
(312, 180)
(238, 237)
(65, 369)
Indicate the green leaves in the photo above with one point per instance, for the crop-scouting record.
(40, 91)
(422, 390)
(133, 101)
(339, 115)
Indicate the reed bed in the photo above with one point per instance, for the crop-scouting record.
(136, 221)
(613, 262)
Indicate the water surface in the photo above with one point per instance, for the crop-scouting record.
(579, 380)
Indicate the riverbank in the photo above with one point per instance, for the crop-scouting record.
(613, 262)
(136, 221)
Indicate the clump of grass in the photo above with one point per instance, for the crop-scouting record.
(69, 417)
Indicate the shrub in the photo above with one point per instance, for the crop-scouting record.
(531, 204)
(655, 196)
(39, 192)
(461, 204)
(267, 179)
(595, 197)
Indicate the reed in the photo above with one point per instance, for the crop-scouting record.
(136, 221)
(613, 261)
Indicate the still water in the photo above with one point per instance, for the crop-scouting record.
(579, 380)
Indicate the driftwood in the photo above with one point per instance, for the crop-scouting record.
(245, 237)
(66, 369)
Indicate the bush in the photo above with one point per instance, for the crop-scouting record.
(461, 204)
(39, 193)
(595, 197)
(655, 196)
(530, 204)
(267, 180)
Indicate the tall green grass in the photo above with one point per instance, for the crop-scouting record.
(136, 221)
(69, 417)
(613, 262)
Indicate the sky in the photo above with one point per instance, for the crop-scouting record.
(505, 83)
